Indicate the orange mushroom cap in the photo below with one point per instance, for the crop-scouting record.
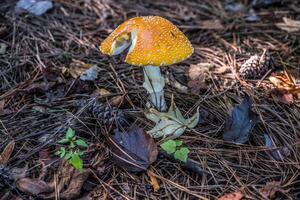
(154, 41)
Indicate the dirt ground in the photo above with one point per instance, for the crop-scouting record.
(39, 99)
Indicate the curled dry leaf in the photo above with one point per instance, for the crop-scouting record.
(83, 70)
(283, 96)
(6, 153)
(170, 124)
(240, 123)
(238, 195)
(285, 84)
(153, 181)
(134, 150)
(289, 25)
(271, 188)
(203, 75)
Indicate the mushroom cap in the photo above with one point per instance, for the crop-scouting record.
(153, 40)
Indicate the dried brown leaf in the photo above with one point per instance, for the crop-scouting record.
(102, 91)
(6, 153)
(271, 188)
(286, 86)
(78, 68)
(76, 183)
(238, 195)
(33, 186)
(153, 181)
(282, 95)
(134, 150)
(116, 101)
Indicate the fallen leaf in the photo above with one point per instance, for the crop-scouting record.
(282, 95)
(277, 153)
(271, 188)
(35, 7)
(33, 186)
(238, 195)
(18, 173)
(83, 70)
(199, 77)
(240, 123)
(101, 91)
(283, 82)
(6, 153)
(116, 101)
(90, 74)
(134, 150)
(289, 25)
(153, 181)
(75, 185)
(214, 24)
(195, 72)
(170, 124)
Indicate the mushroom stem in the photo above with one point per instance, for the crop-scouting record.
(154, 84)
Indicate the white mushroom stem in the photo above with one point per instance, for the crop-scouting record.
(154, 83)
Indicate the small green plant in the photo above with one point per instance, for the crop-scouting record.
(175, 146)
(71, 151)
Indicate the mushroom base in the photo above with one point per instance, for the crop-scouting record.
(154, 83)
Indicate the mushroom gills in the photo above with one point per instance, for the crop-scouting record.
(123, 42)
(154, 84)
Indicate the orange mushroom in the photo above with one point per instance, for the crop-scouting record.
(153, 42)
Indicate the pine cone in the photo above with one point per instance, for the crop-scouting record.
(106, 114)
(256, 67)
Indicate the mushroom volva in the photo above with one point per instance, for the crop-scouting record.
(153, 42)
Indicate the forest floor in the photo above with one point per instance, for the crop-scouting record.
(42, 57)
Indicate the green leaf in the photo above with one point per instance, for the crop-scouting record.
(62, 152)
(64, 141)
(70, 133)
(76, 161)
(81, 143)
(182, 154)
(178, 143)
(57, 153)
(169, 146)
(68, 156)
